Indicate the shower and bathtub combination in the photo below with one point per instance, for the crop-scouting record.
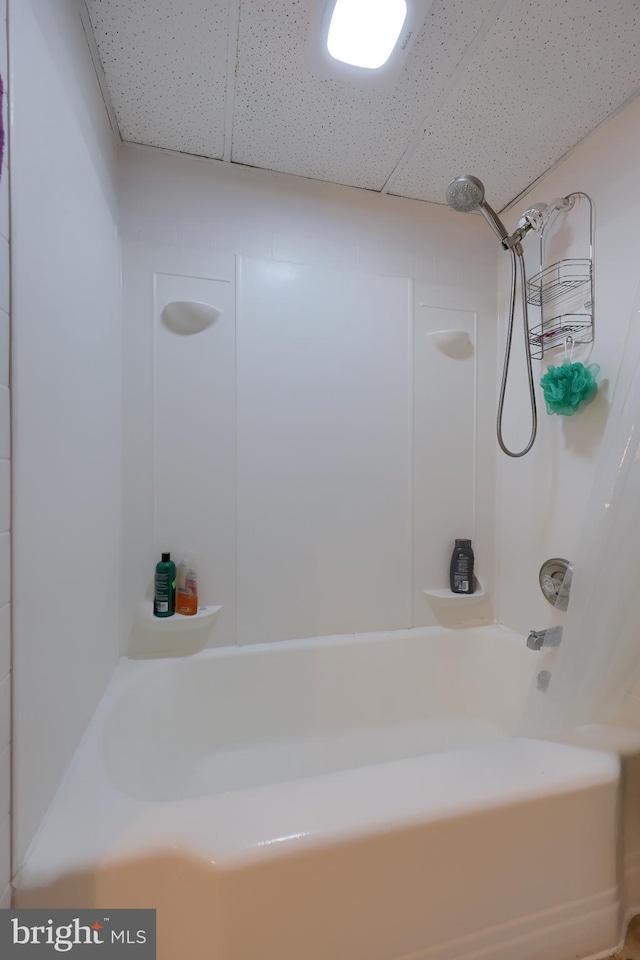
(255, 331)
(334, 797)
(429, 793)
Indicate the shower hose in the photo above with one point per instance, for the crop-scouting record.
(517, 267)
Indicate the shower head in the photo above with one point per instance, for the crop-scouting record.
(466, 194)
(543, 214)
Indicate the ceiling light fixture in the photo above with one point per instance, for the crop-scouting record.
(364, 32)
(363, 42)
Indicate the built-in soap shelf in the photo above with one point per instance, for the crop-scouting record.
(446, 596)
(205, 617)
(456, 344)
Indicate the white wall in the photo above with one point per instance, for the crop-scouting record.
(323, 272)
(67, 399)
(323, 534)
(542, 498)
(5, 499)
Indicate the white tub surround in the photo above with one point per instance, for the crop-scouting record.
(292, 444)
(350, 805)
(177, 635)
(66, 399)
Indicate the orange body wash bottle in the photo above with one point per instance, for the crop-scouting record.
(187, 587)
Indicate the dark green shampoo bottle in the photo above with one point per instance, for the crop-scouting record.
(164, 594)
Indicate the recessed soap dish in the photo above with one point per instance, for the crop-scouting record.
(187, 317)
(456, 344)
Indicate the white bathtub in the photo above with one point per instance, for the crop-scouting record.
(350, 798)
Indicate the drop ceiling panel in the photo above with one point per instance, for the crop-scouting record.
(546, 75)
(498, 88)
(165, 63)
(287, 119)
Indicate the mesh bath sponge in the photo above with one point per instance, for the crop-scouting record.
(569, 386)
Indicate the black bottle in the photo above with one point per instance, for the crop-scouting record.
(461, 570)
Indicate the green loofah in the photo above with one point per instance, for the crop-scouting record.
(568, 386)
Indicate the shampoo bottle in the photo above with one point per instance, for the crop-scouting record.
(164, 593)
(461, 570)
(187, 587)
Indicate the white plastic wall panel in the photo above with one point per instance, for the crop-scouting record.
(165, 64)
(288, 118)
(444, 440)
(323, 452)
(194, 441)
(545, 76)
(66, 395)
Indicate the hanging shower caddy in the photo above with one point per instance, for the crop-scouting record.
(564, 293)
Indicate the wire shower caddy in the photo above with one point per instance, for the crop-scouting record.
(564, 292)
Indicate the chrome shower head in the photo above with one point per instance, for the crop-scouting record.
(543, 214)
(466, 194)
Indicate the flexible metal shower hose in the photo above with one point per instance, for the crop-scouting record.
(517, 255)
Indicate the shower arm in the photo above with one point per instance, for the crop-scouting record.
(508, 241)
(513, 241)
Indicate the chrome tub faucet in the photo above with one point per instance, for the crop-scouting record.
(547, 638)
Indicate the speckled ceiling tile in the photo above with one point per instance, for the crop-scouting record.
(546, 75)
(165, 63)
(287, 119)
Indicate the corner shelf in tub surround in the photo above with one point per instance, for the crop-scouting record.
(205, 617)
(447, 596)
(175, 636)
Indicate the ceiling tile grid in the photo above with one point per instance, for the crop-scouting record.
(165, 63)
(286, 118)
(499, 88)
(546, 75)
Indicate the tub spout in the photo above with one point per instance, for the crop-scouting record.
(547, 638)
